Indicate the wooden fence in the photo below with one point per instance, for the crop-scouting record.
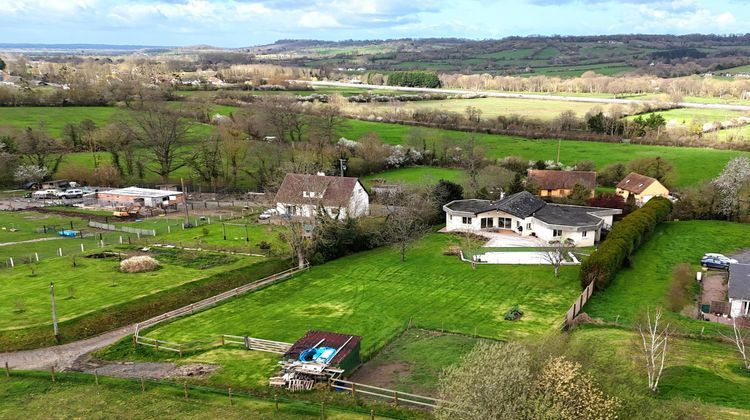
(136, 231)
(578, 305)
(259, 344)
(197, 306)
(390, 395)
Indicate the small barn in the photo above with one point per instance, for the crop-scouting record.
(143, 197)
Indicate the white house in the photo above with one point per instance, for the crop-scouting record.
(529, 215)
(739, 290)
(307, 195)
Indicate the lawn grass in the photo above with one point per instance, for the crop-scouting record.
(688, 116)
(93, 284)
(646, 283)
(27, 223)
(33, 395)
(55, 118)
(374, 295)
(692, 165)
(491, 107)
(418, 175)
(704, 370)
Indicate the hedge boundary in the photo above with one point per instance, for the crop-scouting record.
(624, 239)
(138, 310)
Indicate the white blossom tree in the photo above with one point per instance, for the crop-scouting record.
(730, 183)
(30, 173)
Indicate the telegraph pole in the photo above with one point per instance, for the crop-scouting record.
(341, 163)
(54, 313)
(559, 142)
(184, 201)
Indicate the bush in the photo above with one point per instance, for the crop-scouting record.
(264, 245)
(513, 314)
(139, 264)
(681, 291)
(624, 239)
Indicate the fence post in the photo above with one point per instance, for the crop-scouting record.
(36, 255)
(96, 377)
(143, 385)
(120, 239)
(276, 401)
(59, 251)
(184, 386)
(322, 410)
(372, 414)
(82, 248)
(395, 397)
(7, 370)
(12, 264)
(52, 371)
(230, 396)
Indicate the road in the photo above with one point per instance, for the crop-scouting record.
(491, 94)
(63, 356)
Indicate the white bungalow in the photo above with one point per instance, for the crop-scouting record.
(307, 195)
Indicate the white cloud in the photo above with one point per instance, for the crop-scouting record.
(725, 18)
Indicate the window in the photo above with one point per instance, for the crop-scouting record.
(487, 223)
(505, 222)
(466, 220)
(584, 233)
(291, 210)
(528, 225)
(556, 233)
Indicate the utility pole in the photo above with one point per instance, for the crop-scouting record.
(559, 142)
(54, 313)
(247, 236)
(184, 201)
(341, 164)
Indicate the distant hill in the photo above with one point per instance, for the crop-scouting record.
(663, 55)
(75, 47)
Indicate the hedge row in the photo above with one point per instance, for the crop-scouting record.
(624, 239)
(138, 310)
(427, 79)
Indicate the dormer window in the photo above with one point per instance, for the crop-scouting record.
(311, 194)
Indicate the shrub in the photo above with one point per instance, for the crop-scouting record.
(624, 239)
(681, 291)
(264, 245)
(513, 313)
(139, 264)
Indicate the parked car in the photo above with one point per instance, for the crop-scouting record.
(72, 193)
(268, 214)
(712, 262)
(42, 194)
(721, 257)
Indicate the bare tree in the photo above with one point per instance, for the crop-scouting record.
(298, 239)
(207, 160)
(284, 114)
(405, 222)
(739, 338)
(36, 147)
(328, 121)
(555, 253)
(162, 134)
(654, 340)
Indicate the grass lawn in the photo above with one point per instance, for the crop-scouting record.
(418, 175)
(26, 224)
(704, 370)
(55, 118)
(76, 396)
(490, 107)
(374, 295)
(687, 116)
(646, 283)
(692, 165)
(95, 284)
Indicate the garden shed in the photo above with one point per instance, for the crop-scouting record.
(347, 355)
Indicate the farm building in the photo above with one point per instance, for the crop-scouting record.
(59, 183)
(306, 195)
(143, 197)
(318, 356)
(739, 290)
(641, 187)
(560, 183)
(528, 215)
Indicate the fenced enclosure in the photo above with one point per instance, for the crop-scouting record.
(205, 303)
(389, 395)
(127, 229)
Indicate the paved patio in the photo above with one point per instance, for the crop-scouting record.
(503, 239)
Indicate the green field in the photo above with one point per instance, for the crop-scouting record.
(97, 283)
(692, 165)
(490, 107)
(374, 295)
(419, 175)
(688, 116)
(55, 118)
(33, 395)
(645, 284)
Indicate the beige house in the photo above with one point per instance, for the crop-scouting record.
(642, 187)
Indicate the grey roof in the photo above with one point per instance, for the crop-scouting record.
(578, 216)
(739, 281)
(470, 206)
(521, 205)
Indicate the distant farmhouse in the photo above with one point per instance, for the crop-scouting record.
(528, 215)
(641, 187)
(560, 183)
(142, 197)
(308, 195)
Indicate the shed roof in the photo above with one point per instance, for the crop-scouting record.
(739, 281)
(636, 183)
(332, 339)
(141, 192)
(562, 180)
(333, 190)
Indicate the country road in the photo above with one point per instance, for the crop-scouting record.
(63, 356)
(491, 94)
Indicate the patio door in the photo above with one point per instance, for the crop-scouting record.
(487, 223)
(505, 223)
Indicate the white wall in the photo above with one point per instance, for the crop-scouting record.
(359, 203)
(736, 308)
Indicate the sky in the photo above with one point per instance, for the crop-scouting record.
(238, 23)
